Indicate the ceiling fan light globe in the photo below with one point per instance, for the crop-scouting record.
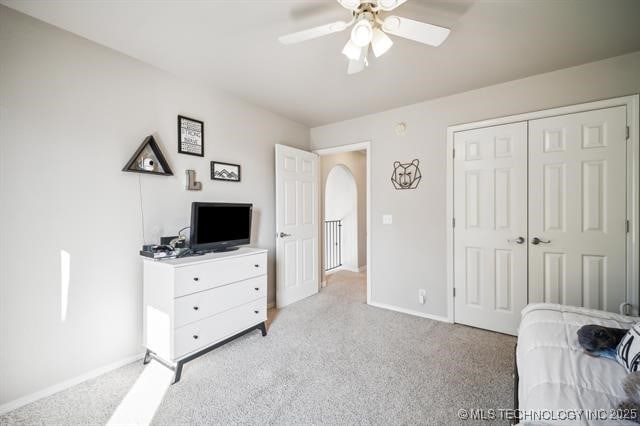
(380, 43)
(350, 4)
(387, 4)
(352, 51)
(362, 33)
(356, 66)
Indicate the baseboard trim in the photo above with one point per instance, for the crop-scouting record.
(410, 312)
(334, 270)
(27, 399)
(323, 284)
(363, 268)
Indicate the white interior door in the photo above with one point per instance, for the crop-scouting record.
(577, 209)
(490, 210)
(296, 224)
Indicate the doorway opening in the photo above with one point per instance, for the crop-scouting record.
(344, 213)
(341, 233)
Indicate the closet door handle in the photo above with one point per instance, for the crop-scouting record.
(535, 241)
(519, 240)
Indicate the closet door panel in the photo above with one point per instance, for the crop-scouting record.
(577, 202)
(490, 197)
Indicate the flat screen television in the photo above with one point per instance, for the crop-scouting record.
(220, 226)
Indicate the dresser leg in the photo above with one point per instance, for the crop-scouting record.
(147, 358)
(176, 377)
(263, 328)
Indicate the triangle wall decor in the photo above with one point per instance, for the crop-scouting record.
(148, 158)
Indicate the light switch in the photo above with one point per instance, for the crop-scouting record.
(387, 219)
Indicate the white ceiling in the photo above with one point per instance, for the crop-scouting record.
(233, 46)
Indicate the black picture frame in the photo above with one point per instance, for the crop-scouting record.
(186, 147)
(234, 174)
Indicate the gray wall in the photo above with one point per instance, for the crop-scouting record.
(71, 115)
(356, 162)
(410, 253)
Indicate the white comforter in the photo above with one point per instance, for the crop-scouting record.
(555, 372)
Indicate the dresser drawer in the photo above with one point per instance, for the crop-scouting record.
(213, 329)
(197, 306)
(193, 278)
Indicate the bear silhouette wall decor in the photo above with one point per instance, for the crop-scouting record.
(406, 175)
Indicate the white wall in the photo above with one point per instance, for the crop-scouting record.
(341, 203)
(410, 253)
(356, 162)
(71, 115)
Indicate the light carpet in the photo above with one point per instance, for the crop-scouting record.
(329, 359)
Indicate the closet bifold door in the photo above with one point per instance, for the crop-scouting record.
(490, 209)
(577, 209)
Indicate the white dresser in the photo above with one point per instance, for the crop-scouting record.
(195, 304)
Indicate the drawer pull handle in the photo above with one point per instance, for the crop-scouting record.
(256, 265)
(195, 336)
(196, 278)
(257, 288)
(195, 308)
(257, 312)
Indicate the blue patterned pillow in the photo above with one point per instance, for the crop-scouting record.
(628, 351)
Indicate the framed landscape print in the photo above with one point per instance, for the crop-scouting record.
(225, 171)
(190, 136)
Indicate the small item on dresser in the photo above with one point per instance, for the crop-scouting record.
(157, 251)
(630, 407)
(600, 341)
(178, 241)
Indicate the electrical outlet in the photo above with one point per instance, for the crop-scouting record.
(387, 219)
(422, 295)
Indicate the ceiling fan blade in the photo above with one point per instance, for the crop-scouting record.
(302, 11)
(421, 32)
(350, 4)
(388, 5)
(313, 33)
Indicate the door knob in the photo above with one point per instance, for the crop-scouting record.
(519, 240)
(282, 235)
(535, 241)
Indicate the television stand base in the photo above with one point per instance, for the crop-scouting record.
(224, 249)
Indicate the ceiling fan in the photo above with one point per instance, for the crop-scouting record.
(371, 29)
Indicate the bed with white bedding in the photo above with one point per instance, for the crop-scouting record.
(555, 373)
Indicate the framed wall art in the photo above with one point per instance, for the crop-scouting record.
(148, 158)
(225, 171)
(406, 175)
(190, 136)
